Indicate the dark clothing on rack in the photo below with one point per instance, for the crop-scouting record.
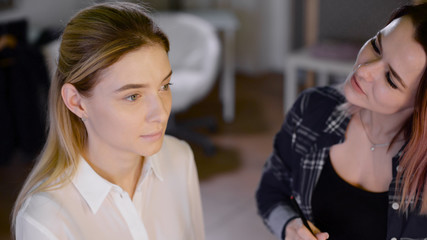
(24, 84)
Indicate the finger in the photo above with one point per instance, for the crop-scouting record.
(305, 234)
(291, 231)
(322, 236)
(293, 235)
(319, 235)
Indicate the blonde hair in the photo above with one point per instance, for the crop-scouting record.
(93, 40)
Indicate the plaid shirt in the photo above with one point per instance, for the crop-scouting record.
(312, 126)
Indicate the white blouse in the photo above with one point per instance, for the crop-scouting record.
(166, 203)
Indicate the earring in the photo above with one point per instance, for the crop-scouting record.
(84, 119)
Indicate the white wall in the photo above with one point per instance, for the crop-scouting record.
(42, 13)
(261, 40)
(274, 37)
(263, 37)
(247, 42)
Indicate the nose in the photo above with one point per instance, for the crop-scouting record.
(158, 109)
(370, 70)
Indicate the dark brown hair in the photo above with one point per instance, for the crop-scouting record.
(412, 178)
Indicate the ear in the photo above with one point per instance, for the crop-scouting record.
(73, 100)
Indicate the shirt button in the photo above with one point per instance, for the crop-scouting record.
(393, 238)
(395, 206)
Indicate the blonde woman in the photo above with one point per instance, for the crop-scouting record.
(107, 170)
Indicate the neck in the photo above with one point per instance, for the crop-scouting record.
(122, 169)
(383, 127)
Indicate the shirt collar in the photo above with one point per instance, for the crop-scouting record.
(337, 122)
(91, 186)
(151, 164)
(95, 188)
(155, 164)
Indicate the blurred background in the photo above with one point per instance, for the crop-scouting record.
(261, 55)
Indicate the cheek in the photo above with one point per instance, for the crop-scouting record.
(389, 102)
(167, 102)
(110, 120)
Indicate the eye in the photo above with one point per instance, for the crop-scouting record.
(166, 86)
(390, 81)
(132, 98)
(374, 46)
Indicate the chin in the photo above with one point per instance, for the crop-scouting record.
(151, 149)
(348, 93)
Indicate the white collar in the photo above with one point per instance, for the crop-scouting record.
(94, 188)
(153, 162)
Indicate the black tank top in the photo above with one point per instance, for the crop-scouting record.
(347, 212)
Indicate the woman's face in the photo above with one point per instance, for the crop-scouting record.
(387, 70)
(129, 108)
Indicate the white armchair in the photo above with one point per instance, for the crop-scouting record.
(194, 56)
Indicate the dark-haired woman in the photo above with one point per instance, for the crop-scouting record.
(355, 156)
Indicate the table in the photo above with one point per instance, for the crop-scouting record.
(321, 66)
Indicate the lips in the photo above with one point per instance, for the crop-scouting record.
(356, 85)
(152, 136)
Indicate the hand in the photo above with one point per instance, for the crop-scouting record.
(295, 230)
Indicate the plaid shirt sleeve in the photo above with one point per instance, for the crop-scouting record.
(275, 187)
(297, 158)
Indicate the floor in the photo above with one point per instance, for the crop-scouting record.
(228, 179)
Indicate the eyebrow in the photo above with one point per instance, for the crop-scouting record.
(136, 86)
(399, 79)
(167, 76)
